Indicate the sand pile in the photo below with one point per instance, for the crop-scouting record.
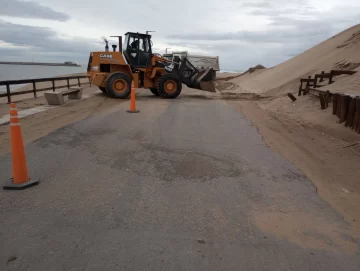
(341, 51)
(253, 69)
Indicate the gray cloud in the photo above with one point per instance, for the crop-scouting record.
(291, 29)
(242, 33)
(43, 41)
(26, 9)
(296, 31)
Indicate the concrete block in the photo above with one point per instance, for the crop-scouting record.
(76, 95)
(54, 98)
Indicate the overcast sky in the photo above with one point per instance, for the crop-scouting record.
(242, 33)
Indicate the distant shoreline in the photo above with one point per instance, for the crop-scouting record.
(40, 64)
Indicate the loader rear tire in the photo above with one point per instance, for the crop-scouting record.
(169, 86)
(154, 91)
(118, 85)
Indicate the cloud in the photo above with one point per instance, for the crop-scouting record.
(43, 41)
(292, 30)
(242, 33)
(27, 9)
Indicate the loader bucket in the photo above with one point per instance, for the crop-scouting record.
(204, 81)
(194, 78)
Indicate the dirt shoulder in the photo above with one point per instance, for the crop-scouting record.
(332, 164)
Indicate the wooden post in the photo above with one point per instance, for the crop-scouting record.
(335, 99)
(68, 83)
(321, 79)
(53, 85)
(344, 108)
(339, 103)
(299, 94)
(327, 97)
(351, 114)
(322, 100)
(306, 90)
(34, 88)
(357, 116)
(330, 79)
(79, 81)
(292, 97)
(8, 93)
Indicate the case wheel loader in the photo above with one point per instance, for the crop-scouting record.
(113, 72)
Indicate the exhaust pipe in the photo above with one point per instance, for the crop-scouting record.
(106, 45)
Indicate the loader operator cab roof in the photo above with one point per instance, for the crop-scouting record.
(137, 49)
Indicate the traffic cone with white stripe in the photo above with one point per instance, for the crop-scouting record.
(20, 179)
(132, 100)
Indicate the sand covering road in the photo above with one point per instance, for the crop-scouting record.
(312, 139)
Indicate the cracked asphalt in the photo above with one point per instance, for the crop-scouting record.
(186, 184)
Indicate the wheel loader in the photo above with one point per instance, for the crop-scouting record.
(114, 71)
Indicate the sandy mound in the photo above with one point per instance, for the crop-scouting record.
(341, 51)
(253, 69)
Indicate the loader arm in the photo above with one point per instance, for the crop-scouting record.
(186, 72)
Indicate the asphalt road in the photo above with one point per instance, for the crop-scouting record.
(186, 184)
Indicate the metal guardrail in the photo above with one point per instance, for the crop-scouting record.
(8, 83)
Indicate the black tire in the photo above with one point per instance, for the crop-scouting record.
(121, 81)
(166, 81)
(103, 90)
(154, 91)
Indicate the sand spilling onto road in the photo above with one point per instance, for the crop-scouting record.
(340, 52)
(311, 138)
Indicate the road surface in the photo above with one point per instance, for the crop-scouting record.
(186, 184)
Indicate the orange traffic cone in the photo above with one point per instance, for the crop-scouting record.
(132, 100)
(20, 178)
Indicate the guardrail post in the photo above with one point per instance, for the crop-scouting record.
(68, 83)
(53, 85)
(34, 88)
(79, 81)
(8, 93)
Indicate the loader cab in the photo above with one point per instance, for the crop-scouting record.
(137, 49)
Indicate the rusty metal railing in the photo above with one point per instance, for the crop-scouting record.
(35, 89)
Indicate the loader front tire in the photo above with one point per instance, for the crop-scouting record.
(154, 91)
(169, 86)
(118, 85)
